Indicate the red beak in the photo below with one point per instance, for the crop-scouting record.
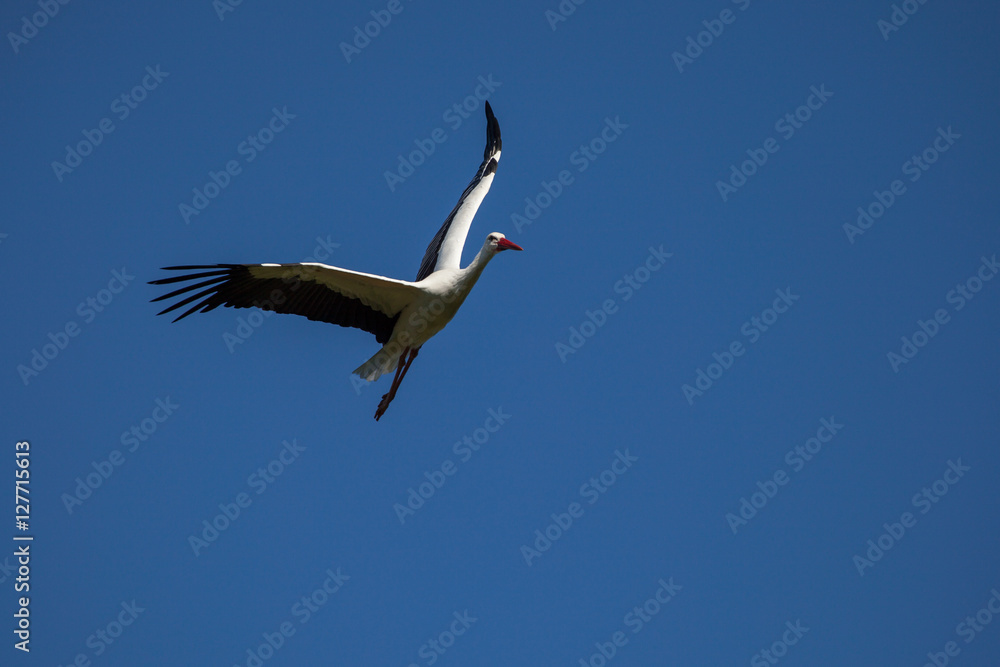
(504, 244)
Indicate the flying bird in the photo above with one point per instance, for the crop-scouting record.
(401, 315)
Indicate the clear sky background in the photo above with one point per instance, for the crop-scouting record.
(729, 507)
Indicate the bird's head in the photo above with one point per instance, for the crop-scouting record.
(497, 242)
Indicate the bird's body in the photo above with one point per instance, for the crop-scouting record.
(440, 296)
(402, 315)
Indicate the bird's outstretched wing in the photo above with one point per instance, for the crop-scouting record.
(445, 249)
(317, 291)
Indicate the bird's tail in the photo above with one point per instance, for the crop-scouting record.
(382, 362)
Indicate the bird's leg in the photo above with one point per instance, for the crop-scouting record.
(387, 397)
(399, 370)
(413, 355)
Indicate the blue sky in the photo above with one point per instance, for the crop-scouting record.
(714, 414)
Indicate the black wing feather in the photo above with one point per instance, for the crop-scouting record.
(489, 166)
(234, 286)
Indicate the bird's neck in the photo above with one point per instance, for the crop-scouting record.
(472, 272)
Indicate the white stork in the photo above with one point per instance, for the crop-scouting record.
(402, 315)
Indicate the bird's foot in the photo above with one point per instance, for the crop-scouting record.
(382, 406)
